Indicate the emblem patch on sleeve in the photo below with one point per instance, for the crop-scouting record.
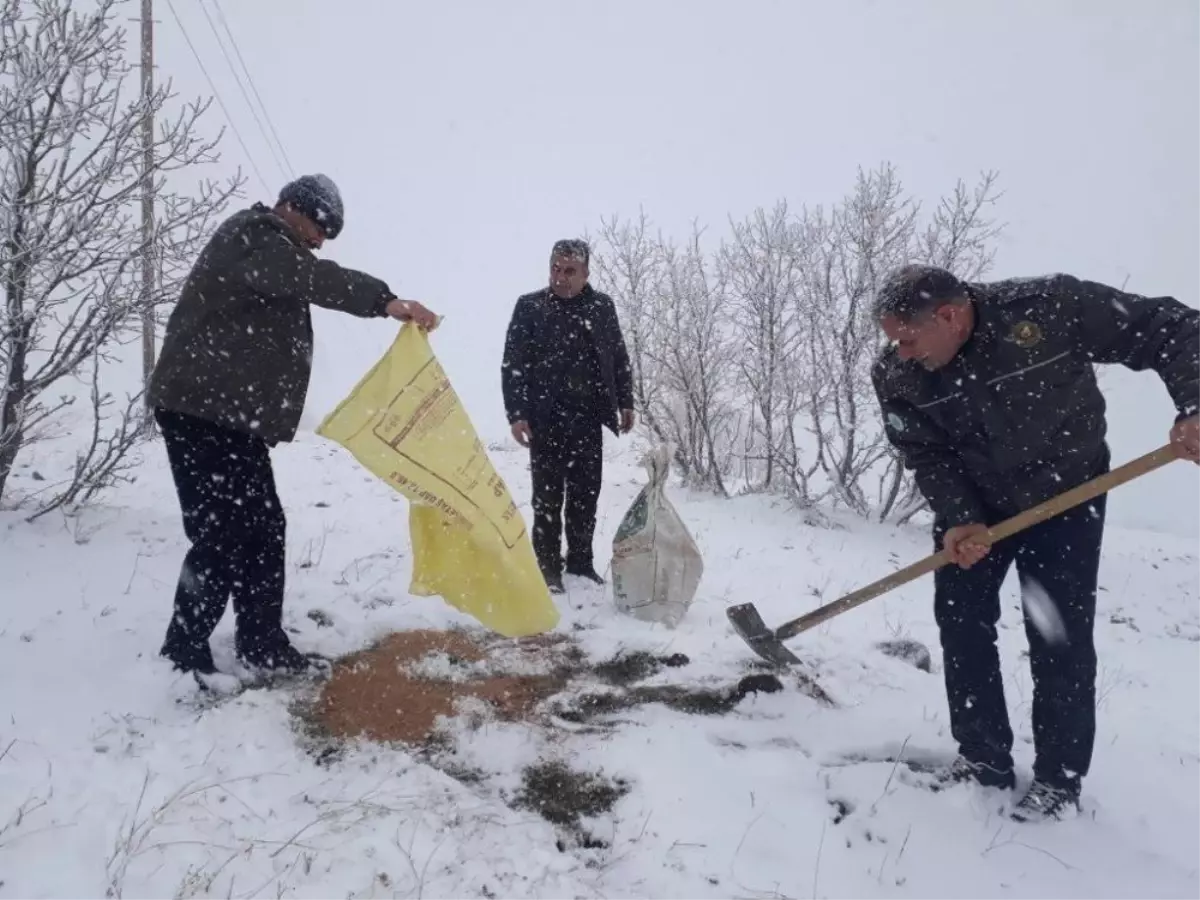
(1026, 334)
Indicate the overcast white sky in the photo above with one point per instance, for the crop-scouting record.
(467, 136)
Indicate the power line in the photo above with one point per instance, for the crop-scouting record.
(217, 94)
(241, 87)
(253, 88)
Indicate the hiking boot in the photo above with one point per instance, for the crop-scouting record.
(554, 582)
(964, 770)
(1045, 801)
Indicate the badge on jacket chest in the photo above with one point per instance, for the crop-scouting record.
(1026, 334)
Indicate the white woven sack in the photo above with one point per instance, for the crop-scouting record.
(656, 565)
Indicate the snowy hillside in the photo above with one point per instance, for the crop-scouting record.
(116, 779)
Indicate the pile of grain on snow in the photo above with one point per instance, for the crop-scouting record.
(400, 688)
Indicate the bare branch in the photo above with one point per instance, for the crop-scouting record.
(763, 262)
(71, 175)
(761, 350)
(696, 363)
(629, 265)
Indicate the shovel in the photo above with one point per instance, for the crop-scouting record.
(768, 643)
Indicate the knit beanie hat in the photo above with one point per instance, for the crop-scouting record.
(317, 197)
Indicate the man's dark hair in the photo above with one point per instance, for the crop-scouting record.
(572, 247)
(913, 290)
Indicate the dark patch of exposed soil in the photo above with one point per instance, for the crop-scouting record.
(907, 650)
(697, 701)
(564, 796)
(805, 682)
(626, 668)
(841, 809)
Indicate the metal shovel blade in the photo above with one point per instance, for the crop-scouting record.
(747, 622)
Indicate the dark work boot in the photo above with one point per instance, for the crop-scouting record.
(579, 564)
(195, 658)
(551, 570)
(554, 582)
(275, 653)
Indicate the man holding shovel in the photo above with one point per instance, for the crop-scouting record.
(988, 394)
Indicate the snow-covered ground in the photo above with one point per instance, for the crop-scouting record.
(113, 782)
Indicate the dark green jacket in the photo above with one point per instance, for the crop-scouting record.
(1017, 417)
(239, 343)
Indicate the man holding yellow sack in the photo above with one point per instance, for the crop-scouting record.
(565, 377)
(229, 385)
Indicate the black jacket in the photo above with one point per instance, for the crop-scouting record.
(1017, 416)
(535, 370)
(239, 343)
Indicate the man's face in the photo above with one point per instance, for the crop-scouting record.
(932, 338)
(568, 275)
(309, 231)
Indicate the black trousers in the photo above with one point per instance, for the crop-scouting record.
(236, 525)
(567, 466)
(1058, 559)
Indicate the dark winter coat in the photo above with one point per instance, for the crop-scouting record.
(1017, 417)
(239, 343)
(560, 354)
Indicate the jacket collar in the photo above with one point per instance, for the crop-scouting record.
(983, 335)
(269, 215)
(587, 293)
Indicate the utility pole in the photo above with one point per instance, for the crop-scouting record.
(148, 242)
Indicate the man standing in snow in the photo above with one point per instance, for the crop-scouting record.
(565, 377)
(989, 395)
(229, 385)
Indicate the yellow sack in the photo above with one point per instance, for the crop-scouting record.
(404, 422)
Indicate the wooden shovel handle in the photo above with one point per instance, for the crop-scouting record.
(1048, 509)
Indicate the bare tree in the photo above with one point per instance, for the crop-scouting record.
(763, 348)
(70, 236)
(629, 266)
(814, 358)
(762, 263)
(696, 362)
(674, 306)
(856, 244)
(959, 237)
